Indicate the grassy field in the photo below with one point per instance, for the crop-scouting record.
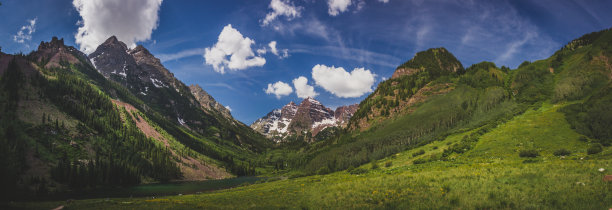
(489, 176)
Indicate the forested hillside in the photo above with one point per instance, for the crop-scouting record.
(431, 97)
(67, 127)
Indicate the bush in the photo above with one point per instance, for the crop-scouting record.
(529, 153)
(562, 152)
(420, 161)
(596, 148)
(374, 165)
(358, 171)
(420, 152)
(388, 164)
(323, 170)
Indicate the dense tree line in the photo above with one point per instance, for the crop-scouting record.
(13, 149)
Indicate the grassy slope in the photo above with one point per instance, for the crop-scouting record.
(491, 175)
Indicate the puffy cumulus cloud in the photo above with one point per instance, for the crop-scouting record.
(131, 21)
(302, 89)
(25, 33)
(281, 8)
(338, 6)
(228, 108)
(342, 83)
(281, 53)
(279, 89)
(231, 43)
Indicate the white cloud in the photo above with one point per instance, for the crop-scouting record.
(279, 89)
(514, 47)
(302, 89)
(342, 83)
(228, 108)
(384, 1)
(338, 6)
(282, 53)
(25, 33)
(232, 43)
(180, 54)
(281, 8)
(131, 21)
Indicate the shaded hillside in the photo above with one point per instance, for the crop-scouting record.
(67, 127)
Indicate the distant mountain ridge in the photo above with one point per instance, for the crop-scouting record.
(309, 117)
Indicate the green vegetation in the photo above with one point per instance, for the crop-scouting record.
(503, 180)
(442, 137)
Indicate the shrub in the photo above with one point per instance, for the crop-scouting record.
(388, 164)
(529, 153)
(420, 161)
(562, 152)
(583, 139)
(374, 165)
(323, 170)
(596, 148)
(358, 171)
(435, 147)
(420, 152)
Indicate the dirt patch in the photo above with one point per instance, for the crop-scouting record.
(142, 124)
(191, 168)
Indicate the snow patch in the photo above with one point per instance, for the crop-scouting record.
(157, 83)
(325, 122)
(181, 121)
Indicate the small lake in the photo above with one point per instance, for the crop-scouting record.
(160, 189)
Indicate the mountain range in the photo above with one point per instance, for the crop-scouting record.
(118, 117)
(308, 118)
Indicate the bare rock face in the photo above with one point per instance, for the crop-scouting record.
(307, 118)
(344, 113)
(208, 102)
(311, 114)
(113, 61)
(276, 123)
(403, 72)
(145, 76)
(54, 52)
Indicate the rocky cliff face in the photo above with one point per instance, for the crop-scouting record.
(208, 102)
(145, 76)
(54, 52)
(307, 118)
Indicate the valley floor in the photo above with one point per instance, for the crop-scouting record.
(489, 176)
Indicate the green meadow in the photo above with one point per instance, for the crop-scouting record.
(491, 175)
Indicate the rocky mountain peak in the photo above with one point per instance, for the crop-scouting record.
(310, 116)
(53, 53)
(113, 41)
(112, 60)
(436, 61)
(207, 101)
(55, 43)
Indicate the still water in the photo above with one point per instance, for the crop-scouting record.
(161, 189)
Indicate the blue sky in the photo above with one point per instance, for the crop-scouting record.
(366, 38)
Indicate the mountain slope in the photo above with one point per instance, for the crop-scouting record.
(417, 107)
(309, 117)
(152, 83)
(406, 87)
(66, 124)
